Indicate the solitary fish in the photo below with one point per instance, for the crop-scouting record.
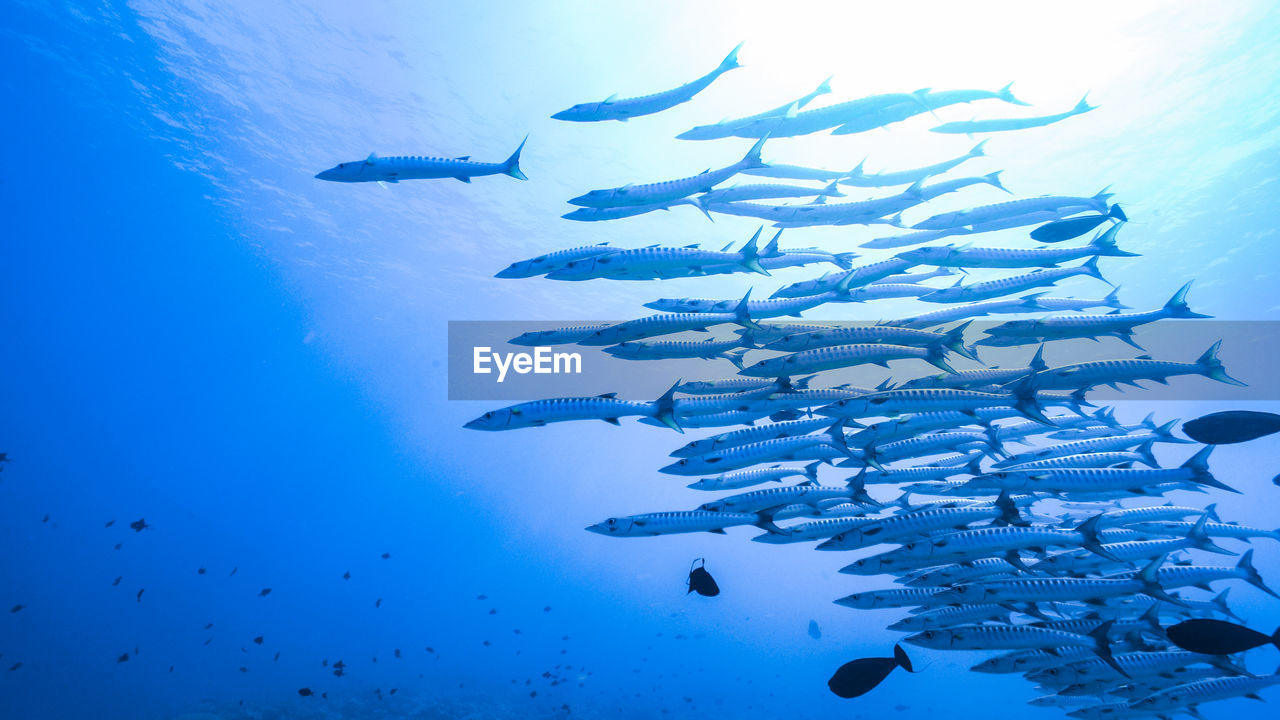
(1231, 426)
(612, 108)
(406, 167)
(814, 631)
(862, 675)
(700, 581)
(1218, 637)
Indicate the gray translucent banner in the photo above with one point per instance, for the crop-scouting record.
(484, 365)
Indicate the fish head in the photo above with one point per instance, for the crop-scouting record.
(1060, 675)
(937, 639)
(626, 349)
(676, 467)
(346, 172)
(522, 269)
(596, 198)
(936, 252)
(582, 112)
(613, 526)
(503, 419)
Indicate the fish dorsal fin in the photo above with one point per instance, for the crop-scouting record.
(610, 99)
(626, 187)
(373, 157)
(608, 395)
(463, 157)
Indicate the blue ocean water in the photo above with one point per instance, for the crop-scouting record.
(200, 334)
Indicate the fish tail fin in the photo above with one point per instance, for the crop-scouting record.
(1177, 306)
(1092, 542)
(811, 470)
(844, 260)
(751, 253)
(731, 60)
(953, 340)
(736, 356)
(1198, 465)
(936, 356)
(1112, 300)
(1251, 574)
(978, 150)
(1116, 213)
(1009, 514)
(1102, 646)
(1083, 106)
(1211, 366)
(752, 158)
(1275, 638)
(904, 662)
(1006, 94)
(993, 179)
(1091, 269)
(832, 190)
(1148, 457)
(764, 521)
(512, 164)
(1105, 244)
(665, 408)
(1200, 539)
(824, 87)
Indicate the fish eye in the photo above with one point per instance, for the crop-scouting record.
(489, 414)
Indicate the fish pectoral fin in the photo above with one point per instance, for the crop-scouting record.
(461, 178)
(611, 421)
(463, 157)
(718, 531)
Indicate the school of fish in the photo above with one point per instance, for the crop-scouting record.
(1004, 512)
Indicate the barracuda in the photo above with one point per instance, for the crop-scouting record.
(1006, 124)
(1014, 208)
(670, 523)
(552, 261)
(875, 209)
(788, 448)
(622, 109)
(1091, 460)
(856, 277)
(971, 257)
(1205, 691)
(649, 259)
(811, 530)
(667, 323)
(1136, 515)
(983, 542)
(885, 291)
(860, 178)
(908, 426)
(754, 476)
(671, 189)
(738, 384)
(1195, 471)
(1013, 637)
(896, 402)
(1161, 434)
(950, 617)
(403, 167)
(1116, 372)
(1202, 575)
(723, 441)
(766, 191)
(1212, 529)
(1029, 303)
(559, 336)
(912, 524)
(710, 349)
(960, 572)
(723, 128)
(1031, 660)
(1010, 285)
(844, 356)
(1076, 561)
(605, 407)
(893, 598)
(810, 494)
(1136, 665)
(1118, 325)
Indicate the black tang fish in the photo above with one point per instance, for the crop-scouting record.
(1218, 637)
(1231, 426)
(700, 581)
(861, 676)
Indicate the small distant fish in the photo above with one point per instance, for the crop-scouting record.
(118, 546)
(16, 608)
(15, 666)
(200, 571)
(264, 592)
(700, 581)
(814, 631)
(109, 523)
(377, 603)
(305, 692)
(482, 597)
(1005, 124)
(45, 519)
(493, 611)
(139, 597)
(1231, 426)
(395, 169)
(397, 652)
(244, 669)
(276, 658)
(614, 108)
(258, 640)
(346, 575)
(1218, 637)
(139, 525)
(386, 556)
(117, 580)
(861, 676)
(233, 570)
(546, 609)
(209, 626)
(124, 657)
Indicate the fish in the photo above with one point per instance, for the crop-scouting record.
(418, 167)
(667, 191)
(543, 264)
(700, 581)
(860, 178)
(755, 476)
(843, 356)
(861, 676)
(991, 217)
(623, 109)
(1116, 372)
(666, 523)
(607, 407)
(972, 257)
(139, 525)
(724, 128)
(1005, 124)
(1060, 230)
(989, 289)
(765, 191)
(305, 692)
(814, 631)
(1218, 637)
(1231, 426)
(660, 258)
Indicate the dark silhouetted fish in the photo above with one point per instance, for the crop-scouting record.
(117, 580)
(377, 603)
(139, 598)
(1218, 637)
(814, 631)
(264, 592)
(200, 571)
(1231, 426)
(124, 657)
(109, 523)
(305, 692)
(346, 575)
(139, 525)
(862, 676)
(1060, 230)
(16, 608)
(386, 556)
(700, 581)
(258, 640)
